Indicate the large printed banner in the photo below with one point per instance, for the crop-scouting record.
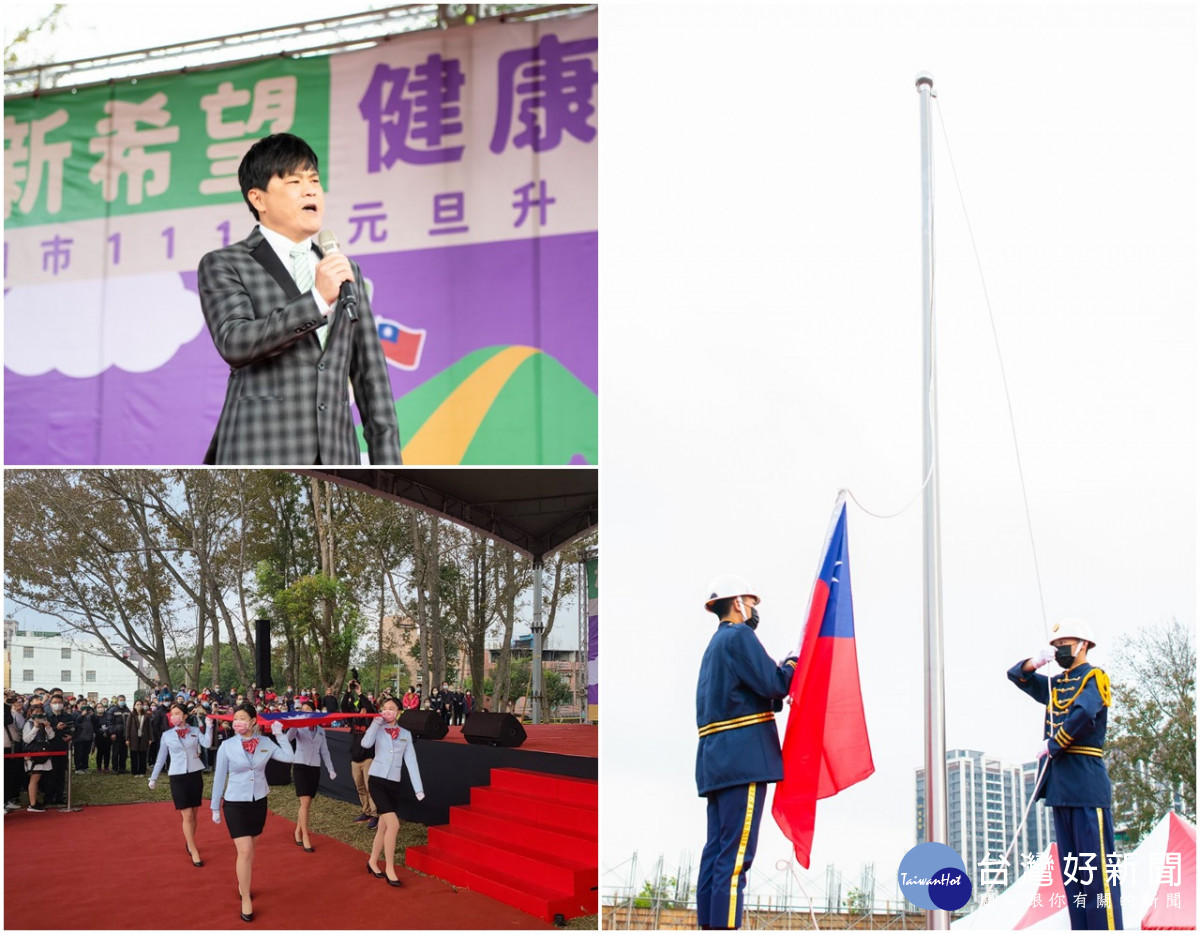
(593, 612)
(460, 170)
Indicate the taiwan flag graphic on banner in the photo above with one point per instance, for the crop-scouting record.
(825, 746)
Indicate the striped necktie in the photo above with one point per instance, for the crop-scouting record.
(302, 272)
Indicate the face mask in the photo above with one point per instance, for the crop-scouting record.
(1065, 655)
(388, 714)
(122, 703)
(752, 622)
(176, 719)
(241, 727)
(56, 707)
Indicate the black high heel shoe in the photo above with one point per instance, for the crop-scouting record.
(377, 875)
(395, 883)
(194, 862)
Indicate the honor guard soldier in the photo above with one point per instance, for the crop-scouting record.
(740, 689)
(1076, 782)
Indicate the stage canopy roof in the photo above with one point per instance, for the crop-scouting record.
(534, 510)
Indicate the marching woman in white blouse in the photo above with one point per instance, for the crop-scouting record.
(242, 759)
(311, 750)
(182, 743)
(393, 747)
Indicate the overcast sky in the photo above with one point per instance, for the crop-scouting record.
(761, 349)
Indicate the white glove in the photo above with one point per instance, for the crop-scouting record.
(216, 816)
(1043, 657)
(332, 776)
(277, 728)
(1044, 749)
(420, 796)
(152, 783)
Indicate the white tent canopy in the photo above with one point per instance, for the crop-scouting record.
(1158, 888)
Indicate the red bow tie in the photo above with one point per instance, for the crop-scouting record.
(250, 745)
(183, 732)
(392, 731)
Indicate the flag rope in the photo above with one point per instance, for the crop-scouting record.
(1012, 422)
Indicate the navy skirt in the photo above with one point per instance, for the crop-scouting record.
(187, 790)
(245, 818)
(306, 779)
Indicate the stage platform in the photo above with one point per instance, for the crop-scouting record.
(451, 766)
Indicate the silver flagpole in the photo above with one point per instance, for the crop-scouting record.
(935, 694)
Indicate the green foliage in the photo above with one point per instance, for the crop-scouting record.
(15, 47)
(555, 688)
(1151, 741)
(856, 902)
(663, 894)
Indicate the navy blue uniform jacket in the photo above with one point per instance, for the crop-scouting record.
(1076, 720)
(740, 689)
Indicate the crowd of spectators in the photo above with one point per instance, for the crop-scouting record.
(115, 736)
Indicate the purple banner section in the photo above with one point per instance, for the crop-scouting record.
(593, 655)
(540, 293)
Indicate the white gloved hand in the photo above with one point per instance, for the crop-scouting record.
(332, 776)
(216, 817)
(1044, 749)
(152, 783)
(420, 796)
(276, 727)
(1045, 656)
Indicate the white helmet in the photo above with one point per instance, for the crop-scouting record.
(1073, 629)
(728, 585)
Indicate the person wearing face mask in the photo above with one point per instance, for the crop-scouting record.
(103, 743)
(312, 749)
(85, 735)
(54, 785)
(739, 690)
(182, 744)
(243, 762)
(38, 730)
(360, 755)
(393, 751)
(116, 725)
(141, 735)
(1073, 778)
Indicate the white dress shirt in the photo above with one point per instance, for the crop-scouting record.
(392, 754)
(246, 772)
(184, 752)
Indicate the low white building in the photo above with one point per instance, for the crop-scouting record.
(65, 660)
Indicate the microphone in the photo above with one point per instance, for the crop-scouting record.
(346, 297)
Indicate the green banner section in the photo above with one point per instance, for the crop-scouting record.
(591, 578)
(154, 144)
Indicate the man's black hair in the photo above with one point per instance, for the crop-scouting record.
(723, 606)
(274, 155)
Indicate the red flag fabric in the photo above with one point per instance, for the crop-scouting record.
(825, 745)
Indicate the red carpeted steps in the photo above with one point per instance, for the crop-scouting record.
(528, 840)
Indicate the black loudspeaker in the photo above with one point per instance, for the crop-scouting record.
(426, 724)
(494, 729)
(262, 653)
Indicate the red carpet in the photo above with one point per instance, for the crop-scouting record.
(529, 839)
(139, 850)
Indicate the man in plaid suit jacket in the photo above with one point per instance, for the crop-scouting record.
(292, 354)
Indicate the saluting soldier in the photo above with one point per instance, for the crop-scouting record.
(740, 689)
(1076, 784)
